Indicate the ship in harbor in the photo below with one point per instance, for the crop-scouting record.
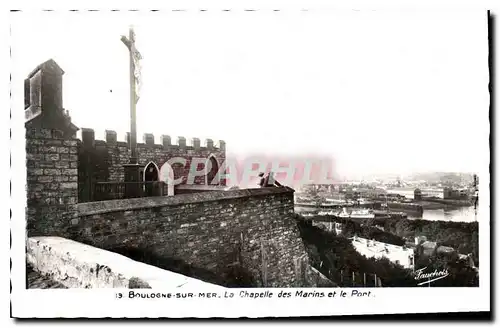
(331, 213)
(325, 204)
(343, 214)
(360, 213)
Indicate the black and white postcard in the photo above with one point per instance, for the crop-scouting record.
(253, 163)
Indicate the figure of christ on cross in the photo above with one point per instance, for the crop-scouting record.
(133, 170)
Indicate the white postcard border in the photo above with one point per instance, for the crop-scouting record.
(103, 303)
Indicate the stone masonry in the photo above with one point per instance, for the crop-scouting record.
(103, 161)
(52, 179)
(212, 230)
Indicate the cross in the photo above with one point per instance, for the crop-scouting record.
(134, 56)
(133, 170)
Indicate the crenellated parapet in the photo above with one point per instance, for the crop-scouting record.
(222, 145)
(165, 141)
(88, 140)
(181, 142)
(149, 139)
(209, 144)
(111, 137)
(104, 160)
(195, 142)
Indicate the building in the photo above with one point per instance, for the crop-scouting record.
(102, 163)
(433, 192)
(329, 226)
(200, 227)
(429, 247)
(451, 193)
(400, 255)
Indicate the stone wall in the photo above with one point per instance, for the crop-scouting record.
(52, 180)
(252, 229)
(76, 265)
(217, 231)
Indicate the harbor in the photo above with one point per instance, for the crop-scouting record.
(433, 204)
(351, 213)
(455, 214)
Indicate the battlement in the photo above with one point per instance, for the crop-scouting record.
(88, 140)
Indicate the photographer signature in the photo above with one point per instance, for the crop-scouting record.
(430, 276)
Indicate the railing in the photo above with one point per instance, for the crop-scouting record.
(357, 279)
(118, 190)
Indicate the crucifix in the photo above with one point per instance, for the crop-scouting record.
(133, 170)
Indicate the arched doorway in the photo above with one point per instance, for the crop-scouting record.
(214, 169)
(151, 174)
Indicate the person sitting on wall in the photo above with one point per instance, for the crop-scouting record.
(268, 180)
(262, 179)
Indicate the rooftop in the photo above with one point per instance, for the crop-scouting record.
(377, 247)
(48, 64)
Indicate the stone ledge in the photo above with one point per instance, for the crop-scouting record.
(92, 208)
(203, 187)
(37, 281)
(76, 265)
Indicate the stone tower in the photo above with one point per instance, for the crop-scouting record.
(43, 104)
(51, 153)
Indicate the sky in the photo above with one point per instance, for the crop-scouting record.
(380, 92)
